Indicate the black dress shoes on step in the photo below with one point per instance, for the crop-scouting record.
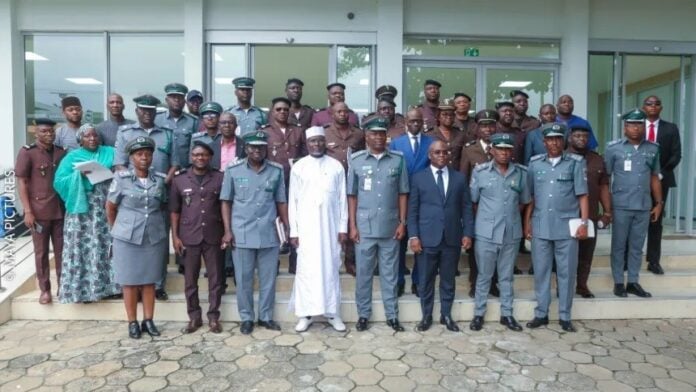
(361, 325)
(414, 289)
(656, 268)
(510, 323)
(620, 290)
(149, 327)
(537, 322)
(270, 324)
(134, 330)
(424, 324)
(395, 325)
(567, 326)
(449, 323)
(636, 289)
(400, 289)
(476, 324)
(161, 295)
(247, 327)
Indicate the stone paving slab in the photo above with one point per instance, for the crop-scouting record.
(605, 355)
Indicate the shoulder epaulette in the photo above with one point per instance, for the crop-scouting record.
(611, 143)
(575, 156)
(264, 126)
(235, 163)
(160, 174)
(327, 125)
(198, 134)
(482, 166)
(396, 152)
(275, 164)
(319, 110)
(357, 154)
(125, 173)
(470, 143)
(29, 146)
(536, 157)
(127, 126)
(428, 130)
(523, 167)
(180, 171)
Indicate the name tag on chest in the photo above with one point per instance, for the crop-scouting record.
(627, 165)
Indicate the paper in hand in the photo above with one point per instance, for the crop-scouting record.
(96, 173)
(573, 225)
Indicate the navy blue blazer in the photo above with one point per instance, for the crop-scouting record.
(433, 220)
(414, 162)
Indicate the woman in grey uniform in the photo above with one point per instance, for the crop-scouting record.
(139, 235)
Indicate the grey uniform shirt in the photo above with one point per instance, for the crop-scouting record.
(182, 129)
(499, 197)
(377, 184)
(630, 170)
(140, 215)
(205, 138)
(248, 120)
(163, 157)
(254, 197)
(555, 190)
(66, 137)
(108, 130)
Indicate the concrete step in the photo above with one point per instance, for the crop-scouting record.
(665, 303)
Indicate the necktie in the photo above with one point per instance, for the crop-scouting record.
(488, 151)
(651, 132)
(441, 184)
(416, 145)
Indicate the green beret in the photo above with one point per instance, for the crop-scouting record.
(635, 115)
(386, 90)
(255, 138)
(502, 140)
(553, 130)
(486, 116)
(139, 143)
(146, 101)
(377, 124)
(243, 82)
(210, 107)
(175, 88)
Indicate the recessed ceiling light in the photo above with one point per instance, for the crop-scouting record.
(31, 56)
(83, 80)
(515, 83)
(223, 80)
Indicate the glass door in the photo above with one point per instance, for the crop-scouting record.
(454, 79)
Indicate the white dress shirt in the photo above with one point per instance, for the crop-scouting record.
(410, 140)
(445, 175)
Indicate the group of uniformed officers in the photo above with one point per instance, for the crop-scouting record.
(435, 180)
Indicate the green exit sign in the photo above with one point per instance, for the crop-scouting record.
(471, 52)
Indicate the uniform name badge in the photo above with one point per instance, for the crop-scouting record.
(627, 165)
(367, 185)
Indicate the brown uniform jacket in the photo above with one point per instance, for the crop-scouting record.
(305, 119)
(468, 127)
(283, 147)
(527, 123)
(518, 135)
(596, 177)
(38, 166)
(337, 145)
(198, 204)
(429, 115)
(473, 154)
(454, 144)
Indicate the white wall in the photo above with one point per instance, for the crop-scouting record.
(643, 19)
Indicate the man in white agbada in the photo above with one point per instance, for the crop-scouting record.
(318, 218)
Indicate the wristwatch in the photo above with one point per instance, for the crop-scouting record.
(402, 222)
(583, 222)
(660, 202)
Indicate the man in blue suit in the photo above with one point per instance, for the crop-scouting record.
(414, 147)
(440, 223)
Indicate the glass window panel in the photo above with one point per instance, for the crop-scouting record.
(353, 69)
(453, 80)
(538, 84)
(480, 48)
(599, 101)
(652, 75)
(275, 64)
(60, 65)
(159, 59)
(228, 62)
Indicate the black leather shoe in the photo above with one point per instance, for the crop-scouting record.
(635, 289)
(449, 323)
(414, 290)
(361, 324)
(620, 290)
(584, 293)
(270, 324)
(656, 268)
(400, 289)
(511, 323)
(161, 295)
(192, 326)
(407, 272)
(229, 272)
(425, 324)
(181, 269)
(149, 327)
(567, 326)
(472, 292)
(457, 273)
(394, 324)
(538, 322)
(476, 324)
(516, 271)
(531, 270)
(495, 291)
(247, 327)
(134, 330)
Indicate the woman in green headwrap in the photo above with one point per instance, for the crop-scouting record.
(88, 275)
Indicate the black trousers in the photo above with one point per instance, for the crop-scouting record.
(442, 258)
(654, 250)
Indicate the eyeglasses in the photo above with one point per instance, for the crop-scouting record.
(227, 123)
(652, 103)
(210, 116)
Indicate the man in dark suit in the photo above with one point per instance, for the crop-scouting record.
(414, 147)
(666, 134)
(440, 223)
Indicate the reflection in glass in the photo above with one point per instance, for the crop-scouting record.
(159, 60)
(353, 69)
(453, 80)
(228, 62)
(538, 84)
(275, 64)
(600, 97)
(59, 65)
(480, 48)
(652, 75)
